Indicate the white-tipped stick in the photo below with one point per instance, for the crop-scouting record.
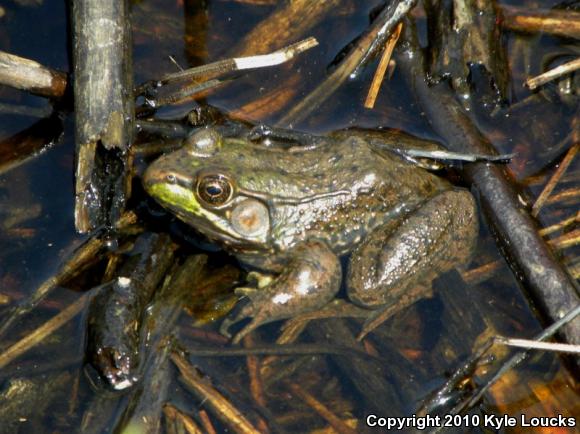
(537, 345)
(277, 57)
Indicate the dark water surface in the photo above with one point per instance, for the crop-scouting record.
(420, 346)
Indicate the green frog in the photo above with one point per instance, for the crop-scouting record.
(293, 211)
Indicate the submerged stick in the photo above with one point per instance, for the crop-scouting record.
(373, 38)
(462, 34)
(566, 319)
(544, 278)
(80, 260)
(104, 109)
(337, 423)
(287, 23)
(214, 400)
(554, 22)
(31, 142)
(205, 77)
(554, 179)
(36, 337)
(31, 76)
(486, 271)
(176, 418)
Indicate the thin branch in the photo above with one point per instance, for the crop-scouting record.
(554, 179)
(552, 74)
(555, 22)
(34, 338)
(382, 67)
(241, 63)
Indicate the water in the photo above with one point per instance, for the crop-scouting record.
(420, 347)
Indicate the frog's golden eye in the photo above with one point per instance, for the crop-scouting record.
(215, 190)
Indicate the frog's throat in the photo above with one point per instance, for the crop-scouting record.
(183, 202)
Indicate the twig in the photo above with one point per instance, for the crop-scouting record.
(321, 409)
(365, 47)
(560, 225)
(555, 22)
(382, 67)
(36, 337)
(27, 144)
(31, 76)
(256, 386)
(24, 110)
(240, 63)
(555, 178)
(176, 416)
(185, 93)
(471, 364)
(112, 347)
(454, 156)
(289, 22)
(568, 194)
(80, 260)
(535, 345)
(519, 357)
(552, 74)
(485, 271)
(205, 77)
(567, 240)
(206, 422)
(214, 400)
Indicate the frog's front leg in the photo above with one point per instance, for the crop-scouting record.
(310, 280)
(388, 268)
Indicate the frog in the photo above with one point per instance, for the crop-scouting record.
(294, 211)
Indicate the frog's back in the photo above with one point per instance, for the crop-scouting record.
(339, 192)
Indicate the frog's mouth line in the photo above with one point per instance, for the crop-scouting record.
(291, 200)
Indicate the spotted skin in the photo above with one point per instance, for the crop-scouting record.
(402, 224)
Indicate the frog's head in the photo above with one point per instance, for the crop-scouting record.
(198, 184)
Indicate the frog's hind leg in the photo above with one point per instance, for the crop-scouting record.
(310, 281)
(395, 264)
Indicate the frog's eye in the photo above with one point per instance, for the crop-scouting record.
(214, 190)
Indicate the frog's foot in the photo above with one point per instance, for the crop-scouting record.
(379, 316)
(292, 328)
(311, 280)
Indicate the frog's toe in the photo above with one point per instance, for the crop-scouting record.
(250, 327)
(259, 280)
(244, 291)
(310, 281)
(258, 311)
(379, 316)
